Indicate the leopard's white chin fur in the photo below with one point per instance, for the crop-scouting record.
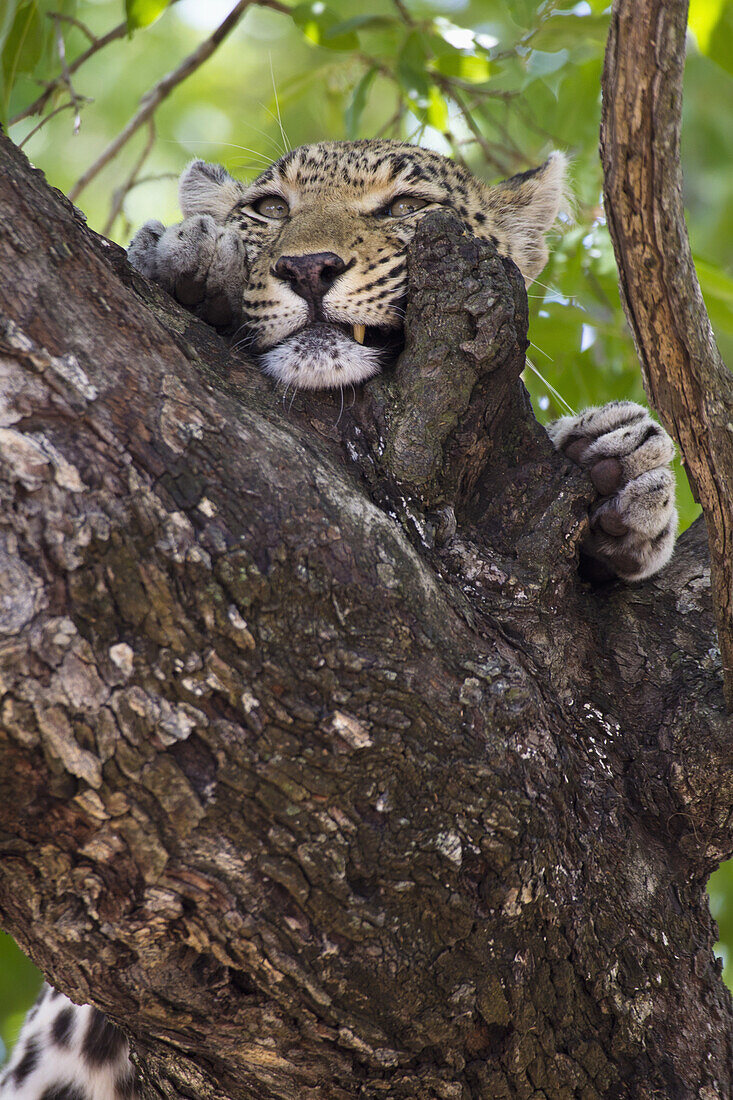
(321, 357)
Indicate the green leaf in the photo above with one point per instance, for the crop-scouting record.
(321, 25)
(19, 985)
(363, 23)
(24, 43)
(7, 17)
(541, 63)
(141, 13)
(412, 66)
(437, 113)
(569, 31)
(472, 68)
(548, 67)
(353, 113)
(712, 25)
(703, 18)
(524, 12)
(28, 43)
(22, 48)
(717, 290)
(715, 282)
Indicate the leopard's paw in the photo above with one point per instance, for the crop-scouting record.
(633, 522)
(143, 250)
(202, 264)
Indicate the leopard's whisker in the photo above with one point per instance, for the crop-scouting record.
(286, 143)
(234, 145)
(559, 397)
(536, 348)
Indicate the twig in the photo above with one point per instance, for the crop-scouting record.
(479, 138)
(455, 148)
(44, 120)
(56, 15)
(404, 13)
(160, 91)
(124, 189)
(66, 75)
(476, 89)
(155, 178)
(392, 122)
(99, 43)
(510, 149)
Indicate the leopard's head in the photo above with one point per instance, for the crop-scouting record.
(326, 229)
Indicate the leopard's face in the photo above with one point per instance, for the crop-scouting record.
(326, 229)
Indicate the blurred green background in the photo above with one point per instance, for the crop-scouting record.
(497, 84)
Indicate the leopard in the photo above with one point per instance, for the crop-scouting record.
(309, 261)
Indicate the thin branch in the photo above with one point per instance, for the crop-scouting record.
(160, 91)
(390, 126)
(99, 43)
(511, 151)
(45, 119)
(450, 87)
(455, 148)
(66, 75)
(404, 13)
(121, 193)
(479, 90)
(155, 178)
(684, 375)
(485, 146)
(59, 15)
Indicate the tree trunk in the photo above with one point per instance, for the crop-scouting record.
(686, 379)
(323, 773)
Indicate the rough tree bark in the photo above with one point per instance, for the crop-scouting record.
(322, 771)
(685, 377)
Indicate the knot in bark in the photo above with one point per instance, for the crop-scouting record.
(466, 337)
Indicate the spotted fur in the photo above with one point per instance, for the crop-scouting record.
(68, 1052)
(633, 522)
(296, 285)
(339, 197)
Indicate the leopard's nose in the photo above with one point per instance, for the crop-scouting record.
(312, 275)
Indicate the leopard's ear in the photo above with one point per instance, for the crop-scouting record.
(523, 209)
(207, 189)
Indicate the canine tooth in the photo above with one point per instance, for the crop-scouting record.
(359, 331)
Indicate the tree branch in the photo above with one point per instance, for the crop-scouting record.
(160, 91)
(120, 193)
(47, 118)
(310, 801)
(97, 44)
(66, 75)
(685, 377)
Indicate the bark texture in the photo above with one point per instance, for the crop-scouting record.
(323, 773)
(685, 378)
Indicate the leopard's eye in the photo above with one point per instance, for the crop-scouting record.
(271, 206)
(404, 205)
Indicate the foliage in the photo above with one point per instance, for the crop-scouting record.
(497, 85)
(19, 985)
